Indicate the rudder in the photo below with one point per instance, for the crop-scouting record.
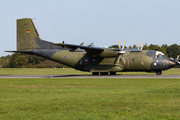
(26, 34)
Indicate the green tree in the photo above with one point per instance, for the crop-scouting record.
(173, 50)
(163, 49)
(114, 46)
(4, 61)
(34, 59)
(17, 60)
(146, 47)
(154, 47)
(6, 64)
(12, 60)
(20, 61)
(134, 46)
(130, 47)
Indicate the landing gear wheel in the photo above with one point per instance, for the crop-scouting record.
(103, 73)
(95, 73)
(158, 72)
(112, 73)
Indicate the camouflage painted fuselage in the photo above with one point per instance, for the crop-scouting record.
(135, 61)
(145, 60)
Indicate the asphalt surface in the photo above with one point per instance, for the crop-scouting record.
(89, 76)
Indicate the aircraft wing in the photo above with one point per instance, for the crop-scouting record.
(87, 48)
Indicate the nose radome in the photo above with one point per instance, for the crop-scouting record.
(172, 64)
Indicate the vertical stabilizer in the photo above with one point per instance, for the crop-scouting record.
(26, 34)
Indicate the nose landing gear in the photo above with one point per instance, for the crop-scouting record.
(158, 72)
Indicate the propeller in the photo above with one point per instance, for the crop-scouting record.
(121, 52)
(176, 60)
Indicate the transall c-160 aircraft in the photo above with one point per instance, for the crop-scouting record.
(91, 59)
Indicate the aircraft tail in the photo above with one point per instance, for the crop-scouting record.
(26, 34)
(28, 37)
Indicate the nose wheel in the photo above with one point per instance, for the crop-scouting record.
(158, 72)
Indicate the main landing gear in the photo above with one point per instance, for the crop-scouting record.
(103, 73)
(95, 73)
(158, 72)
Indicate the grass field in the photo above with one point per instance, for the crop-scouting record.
(89, 99)
(69, 71)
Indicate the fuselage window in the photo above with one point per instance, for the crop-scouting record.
(80, 62)
(86, 60)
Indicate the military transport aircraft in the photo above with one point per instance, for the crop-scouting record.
(91, 59)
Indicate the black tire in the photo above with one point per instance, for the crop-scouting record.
(95, 73)
(158, 72)
(112, 73)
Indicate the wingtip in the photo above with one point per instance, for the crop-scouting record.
(8, 51)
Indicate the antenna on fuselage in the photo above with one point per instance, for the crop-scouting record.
(63, 45)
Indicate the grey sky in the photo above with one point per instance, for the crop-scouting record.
(102, 22)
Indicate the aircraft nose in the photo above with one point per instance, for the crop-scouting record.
(172, 64)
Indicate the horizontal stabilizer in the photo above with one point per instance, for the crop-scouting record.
(23, 52)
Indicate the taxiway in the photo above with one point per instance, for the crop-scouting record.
(89, 76)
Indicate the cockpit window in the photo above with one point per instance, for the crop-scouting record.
(164, 56)
(161, 56)
(158, 56)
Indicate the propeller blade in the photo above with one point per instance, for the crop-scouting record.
(121, 51)
(118, 59)
(177, 60)
(123, 45)
(177, 57)
(124, 60)
(142, 46)
(137, 46)
(171, 58)
(119, 45)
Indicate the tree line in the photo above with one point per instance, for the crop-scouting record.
(170, 51)
(18, 60)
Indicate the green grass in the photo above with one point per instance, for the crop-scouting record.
(40, 71)
(70, 71)
(89, 99)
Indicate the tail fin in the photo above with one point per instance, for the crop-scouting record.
(26, 34)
